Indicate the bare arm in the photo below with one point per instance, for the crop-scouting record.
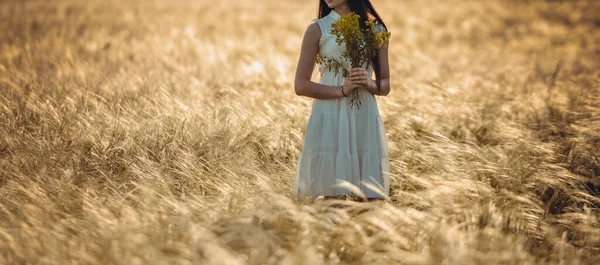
(303, 86)
(384, 75)
(384, 63)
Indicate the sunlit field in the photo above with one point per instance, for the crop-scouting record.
(168, 132)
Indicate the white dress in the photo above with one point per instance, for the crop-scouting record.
(342, 144)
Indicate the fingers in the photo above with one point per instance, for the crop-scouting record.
(355, 84)
(360, 78)
(358, 71)
(355, 75)
(352, 84)
(358, 82)
(357, 78)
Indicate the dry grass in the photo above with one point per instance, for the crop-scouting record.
(167, 132)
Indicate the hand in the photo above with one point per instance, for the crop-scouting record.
(359, 76)
(349, 86)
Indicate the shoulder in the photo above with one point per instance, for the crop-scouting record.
(378, 26)
(313, 30)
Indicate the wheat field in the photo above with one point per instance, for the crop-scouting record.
(168, 132)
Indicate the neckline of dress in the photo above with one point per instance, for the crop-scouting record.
(334, 14)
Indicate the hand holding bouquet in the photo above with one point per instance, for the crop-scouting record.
(361, 46)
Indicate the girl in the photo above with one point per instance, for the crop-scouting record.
(343, 144)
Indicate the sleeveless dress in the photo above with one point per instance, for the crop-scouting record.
(342, 144)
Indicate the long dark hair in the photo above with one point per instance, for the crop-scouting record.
(363, 8)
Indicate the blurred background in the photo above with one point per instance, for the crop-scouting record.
(163, 131)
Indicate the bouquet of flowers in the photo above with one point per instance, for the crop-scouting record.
(361, 46)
